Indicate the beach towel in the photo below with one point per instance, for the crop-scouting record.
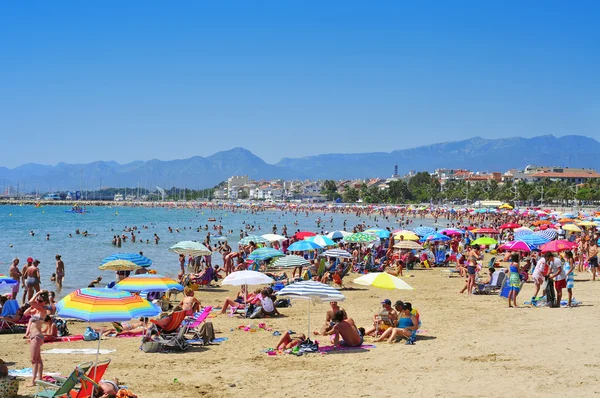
(27, 372)
(329, 348)
(64, 339)
(77, 351)
(215, 340)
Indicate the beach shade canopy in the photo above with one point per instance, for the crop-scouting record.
(104, 305)
(119, 265)
(247, 277)
(407, 244)
(532, 239)
(337, 253)
(190, 248)
(383, 280)
(311, 291)
(453, 232)
(484, 241)
(522, 230)
(6, 283)
(252, 238)
(264, 253)
(135, 258)
(382, 233)
(407, 235)
(274, 237)
(148, 283)
(510, 225)
(422, 231)
(566, 220)
(290, 261)
(361, 237)
(558, 246)
(571, 228)
(436, 237)
(516, 246)
(303, 245)
(336, 235)
(303, 234)
(320, 240)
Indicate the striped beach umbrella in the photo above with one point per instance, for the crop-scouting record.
(119, 265)
(290, 261)
(532, 239)
(321, 240)
(274, 237)
(382, 233)
(336, 235)
(407, 244)
(135, 258)
(361, 237)
(190, 248)
(336, 253)
(303, 245)
(252, 238)
(264, 253)
(549, 234)
(422, 231)
(148, 283)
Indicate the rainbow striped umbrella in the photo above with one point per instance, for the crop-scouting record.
(104, 305)
(148, 283)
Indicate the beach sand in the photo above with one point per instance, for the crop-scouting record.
(473, 346)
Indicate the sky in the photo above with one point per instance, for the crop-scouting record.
(82, 81)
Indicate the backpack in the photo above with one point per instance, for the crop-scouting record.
(61, 327)
(283, 303)
(90, 334)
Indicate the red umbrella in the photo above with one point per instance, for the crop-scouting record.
(510, 225)
(303, 234)
(557, 246)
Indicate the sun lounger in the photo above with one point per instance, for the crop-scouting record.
(64, 387)
(192, 327)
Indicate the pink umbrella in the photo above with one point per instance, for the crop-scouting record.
(515, 246)
(451, 232)
(558, 246)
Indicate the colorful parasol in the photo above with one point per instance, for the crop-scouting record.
(148, 283)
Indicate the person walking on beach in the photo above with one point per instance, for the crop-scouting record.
(569, 268)
(60, 271)
(14, 273)
(514, 280)
(593, 257)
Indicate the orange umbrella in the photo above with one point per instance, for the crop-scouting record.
(541, 222)
(566, 220)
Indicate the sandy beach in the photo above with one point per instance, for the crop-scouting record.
(472, 346)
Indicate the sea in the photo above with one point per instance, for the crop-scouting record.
(24, 230)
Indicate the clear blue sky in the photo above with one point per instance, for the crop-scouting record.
(135, 80)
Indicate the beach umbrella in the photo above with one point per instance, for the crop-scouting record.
(135, 258)
(558, 246)
(571, 228)
(383, 280)
(311, 291)
(104, 305)
(303, 234)
(532, 239)
(516, 246)
(361, 237)
(566, 220)
(303, 245)
(453, 232)
(484, 241)
(274, 237)
(148, 283)
(336, 235)
(336, 253)
(190, 248)
(320, 240)
(264, 253)
(547, 234)
(407, 244)
(436, 237)
(247, 277)
(541, 222)
(587, 224)
(510, 225)
(485, 231)
(119, 265)
(291, 261)
(505, 206)
(408, 235)
(252, 238)
(422, 231)
(382, 233)
(6, 283)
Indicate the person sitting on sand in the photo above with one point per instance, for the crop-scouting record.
(345, 332)
(240, 300)
(384, 320)
(407, 326)
(286, 342)
(49, 329)
(397, 271)
(266, 303)
(329, 318)
(190, 303)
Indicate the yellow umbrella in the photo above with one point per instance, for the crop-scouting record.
(506, 206)
(119, 265)
(383, 280)
(571, 227)
(587, 224)
(408, 235)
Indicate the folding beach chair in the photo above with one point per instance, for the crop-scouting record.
(172, 325)
(174, 341)
(193, 326)
(64, 388)
(10, 309)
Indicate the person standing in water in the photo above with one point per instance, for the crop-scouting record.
(60, 271)
(14, 273)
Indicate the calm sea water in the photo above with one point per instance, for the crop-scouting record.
(82, 255)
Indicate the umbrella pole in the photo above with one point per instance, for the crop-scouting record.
(246, 301)
(308, 332)
(98, 350)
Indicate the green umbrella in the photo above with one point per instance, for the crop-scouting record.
(361, 237)
(485, 241)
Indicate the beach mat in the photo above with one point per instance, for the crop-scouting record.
(27, 372)
(329, 348)
(65, 339)
(77, 351)
(216, 340)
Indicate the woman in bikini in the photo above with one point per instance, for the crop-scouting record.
(287, 341)
(36, 335)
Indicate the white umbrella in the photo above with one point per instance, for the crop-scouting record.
(407, 244)
(336, 253)
(240, 278)
(311, 291)
(338, 234)
(189, 247)
(290, 261)
(274, 237)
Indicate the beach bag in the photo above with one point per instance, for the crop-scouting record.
(307, 346)
(206, 332)
(551, 294)
(9, 387)
(90, 334)
(61, 327)
(151, 346)
(283, 303)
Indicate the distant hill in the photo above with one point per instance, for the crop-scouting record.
(202, 172)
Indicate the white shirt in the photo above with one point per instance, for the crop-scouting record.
(539, 268)
(267, 304)
(555, 265)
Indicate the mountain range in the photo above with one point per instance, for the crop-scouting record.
(477, 154)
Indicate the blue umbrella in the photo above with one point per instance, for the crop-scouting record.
(303, 245)
(549, 234)
(422, 231)
(533, 239)
(436, 237)
(382, 233)
(135, 258)
(265, 253)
